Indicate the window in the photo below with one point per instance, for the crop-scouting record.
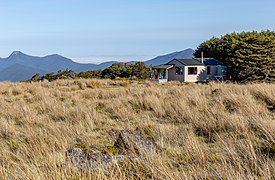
(192, 70)
(208, 70)
(179, 71)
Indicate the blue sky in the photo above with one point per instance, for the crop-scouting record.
(97, 30)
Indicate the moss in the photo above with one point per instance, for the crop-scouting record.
(99, 107)
(85, 148)
(81, 145)
(98, 137)
(111, 150)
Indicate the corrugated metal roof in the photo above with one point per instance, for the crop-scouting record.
(195, 61)
(189, 62)
(210, 61)
(163, 67)
(176, 63)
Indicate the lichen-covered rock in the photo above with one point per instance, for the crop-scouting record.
(105, 160)
(78, 158)
(129, 142)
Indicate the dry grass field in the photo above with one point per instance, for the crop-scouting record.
(213, 131)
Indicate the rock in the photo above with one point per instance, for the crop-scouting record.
(36, 77)
(129, 142)
(45, 80)
(105, 160)
(78, 158)
(132, 78)
(68, 74)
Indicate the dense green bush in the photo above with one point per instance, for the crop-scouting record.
(65, 74)
(90, 74)
(249, 56)
(125, 70)
(138, 70)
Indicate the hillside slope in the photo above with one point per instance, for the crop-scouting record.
(214, 131)
(10, 71)
(51, 63)
(18, 72)
(188, 53)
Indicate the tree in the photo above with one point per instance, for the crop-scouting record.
(126, 70)
(116, 70)
(90, 74)
(249, 56)
(141, 70)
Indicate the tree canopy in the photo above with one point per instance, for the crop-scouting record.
(249, 56)
(125, 70)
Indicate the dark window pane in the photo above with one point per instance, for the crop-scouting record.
(208, 70)
(192, 70)
(179, 71)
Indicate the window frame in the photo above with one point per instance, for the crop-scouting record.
(194, 72)
(179, 70)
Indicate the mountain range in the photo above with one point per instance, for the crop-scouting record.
(19, 66)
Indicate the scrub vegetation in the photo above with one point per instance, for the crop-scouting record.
(248, 56)
(204, 131)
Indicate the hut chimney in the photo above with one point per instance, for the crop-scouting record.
(202, 61)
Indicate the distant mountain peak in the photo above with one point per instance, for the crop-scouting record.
(187, 53)
(189, 49)
(55, 55)
(16, 53)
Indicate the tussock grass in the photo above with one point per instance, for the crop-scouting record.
(214, 131)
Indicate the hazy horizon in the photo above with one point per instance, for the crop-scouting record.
(99, 59)
(97, 31)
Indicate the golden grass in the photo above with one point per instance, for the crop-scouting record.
(214, 131)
